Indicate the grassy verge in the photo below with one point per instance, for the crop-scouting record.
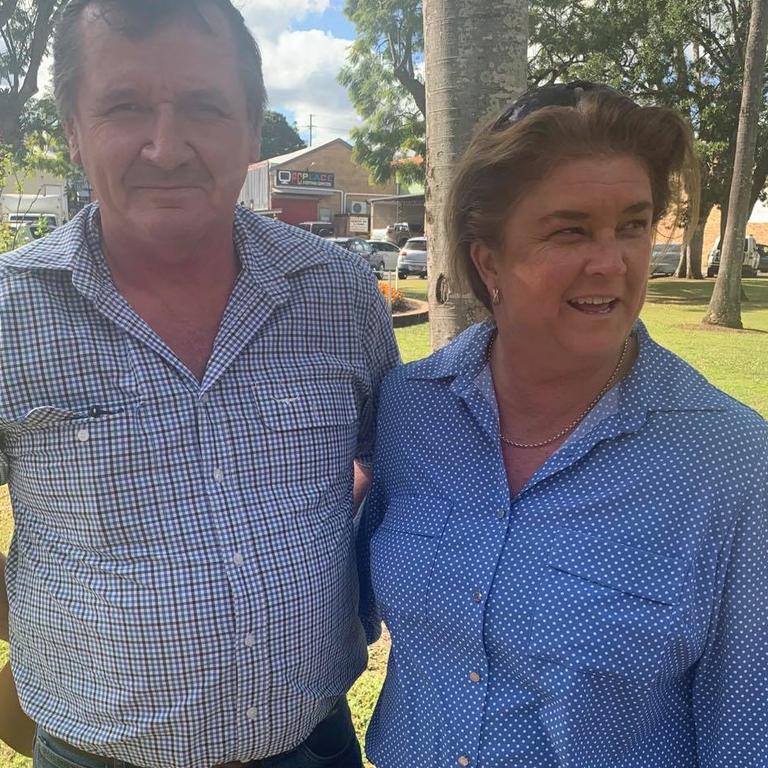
(735, 361)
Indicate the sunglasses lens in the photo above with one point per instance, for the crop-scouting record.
(557, 95)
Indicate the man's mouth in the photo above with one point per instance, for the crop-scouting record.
(594, 305)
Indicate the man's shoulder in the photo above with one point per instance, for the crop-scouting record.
(54, 251)
(291, 250)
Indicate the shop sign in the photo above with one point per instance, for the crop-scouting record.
(286, 178)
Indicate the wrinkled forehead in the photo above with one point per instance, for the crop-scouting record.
(137, 24)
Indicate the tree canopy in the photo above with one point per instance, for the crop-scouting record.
(25, 32)
(686, 54)
(278, 137)
(384, 77)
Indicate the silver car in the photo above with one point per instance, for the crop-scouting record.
(665, 258)
(385, 255)
(413, 258)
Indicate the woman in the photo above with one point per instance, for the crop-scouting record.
(570, 544)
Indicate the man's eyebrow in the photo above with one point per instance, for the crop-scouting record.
(116, 95)
(576, 215)
(203, 94)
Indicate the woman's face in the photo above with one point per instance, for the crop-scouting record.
(573, 265)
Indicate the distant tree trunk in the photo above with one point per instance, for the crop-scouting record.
(476, 59)
(690, 263)
(725, 305)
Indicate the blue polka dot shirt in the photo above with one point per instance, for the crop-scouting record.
(612, 614)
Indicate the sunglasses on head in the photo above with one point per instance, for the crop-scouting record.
(554, 95)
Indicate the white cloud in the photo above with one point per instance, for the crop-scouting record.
(300, 71)
(268, 18)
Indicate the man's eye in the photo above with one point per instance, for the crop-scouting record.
(568, 231)
(122, 108)
(208, 109)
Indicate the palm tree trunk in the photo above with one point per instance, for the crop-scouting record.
(475, 57)
(725, 305)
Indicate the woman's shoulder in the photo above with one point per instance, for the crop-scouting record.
(467, 353)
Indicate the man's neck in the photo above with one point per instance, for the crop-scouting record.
(173, 265)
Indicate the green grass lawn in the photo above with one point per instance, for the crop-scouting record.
(735, 361)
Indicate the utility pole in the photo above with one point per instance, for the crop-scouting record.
(310, 129)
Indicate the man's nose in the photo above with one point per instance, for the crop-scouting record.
(167, 146)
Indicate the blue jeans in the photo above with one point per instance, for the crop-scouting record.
(332, 744)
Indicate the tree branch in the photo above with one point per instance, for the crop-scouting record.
(7, 7)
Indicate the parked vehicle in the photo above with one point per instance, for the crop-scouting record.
(42, 212)
(357, 245)
(402, 232)
(665, 258)
(320, 228)
(21, 234)
(762, 251)
(384, 255)
(413, 258)
(749, 265)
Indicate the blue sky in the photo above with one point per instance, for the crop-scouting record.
(304, 44)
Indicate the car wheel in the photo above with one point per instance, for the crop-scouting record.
(711, 273)
(402, 275)
(381, 266)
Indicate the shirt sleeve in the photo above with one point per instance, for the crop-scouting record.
(729, 693)
(381, 355)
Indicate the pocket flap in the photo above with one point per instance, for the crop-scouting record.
(627, 569)
(318, 400)
(421, 515)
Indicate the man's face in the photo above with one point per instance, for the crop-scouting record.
(161, 127)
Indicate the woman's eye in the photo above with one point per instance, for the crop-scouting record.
(636, 224)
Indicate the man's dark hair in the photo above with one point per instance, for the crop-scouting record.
(137, 19)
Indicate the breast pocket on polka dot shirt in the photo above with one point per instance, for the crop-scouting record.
(607, 608)
(403, 552)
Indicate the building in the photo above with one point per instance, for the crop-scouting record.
(318, 183)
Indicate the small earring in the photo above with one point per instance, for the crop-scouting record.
(496, 297)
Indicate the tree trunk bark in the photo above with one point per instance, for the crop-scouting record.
(725, 305)
(475, 59)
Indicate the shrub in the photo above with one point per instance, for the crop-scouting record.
(396, 298)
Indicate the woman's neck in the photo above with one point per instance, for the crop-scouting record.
(537, 398)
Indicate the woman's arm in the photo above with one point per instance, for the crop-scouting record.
(729, 694)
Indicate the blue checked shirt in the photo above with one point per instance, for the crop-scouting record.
(612, 614)
(181, 579)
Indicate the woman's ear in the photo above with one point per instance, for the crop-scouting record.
(484, 259)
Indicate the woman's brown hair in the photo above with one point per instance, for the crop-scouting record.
(507, 157)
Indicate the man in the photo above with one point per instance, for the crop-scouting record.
(185, 387)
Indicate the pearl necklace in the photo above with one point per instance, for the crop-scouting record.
(575, 423)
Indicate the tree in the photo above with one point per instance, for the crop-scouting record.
(278, 137)
(725, 305)
(685, 54)
(25, 31)
(383, 77)
(475, 65)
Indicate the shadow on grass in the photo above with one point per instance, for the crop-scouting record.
(699, 292)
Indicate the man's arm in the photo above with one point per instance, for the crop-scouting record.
(3, 602)
(361, 485)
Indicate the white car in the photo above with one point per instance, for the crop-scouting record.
(384, 255)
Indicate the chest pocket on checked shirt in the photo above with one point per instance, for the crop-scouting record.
(606, 607)
(309, 425)
(72, 464)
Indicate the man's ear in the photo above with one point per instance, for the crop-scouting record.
(72, 134)
(484, 259)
